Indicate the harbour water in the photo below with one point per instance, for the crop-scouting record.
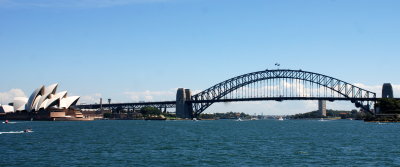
(201, 143)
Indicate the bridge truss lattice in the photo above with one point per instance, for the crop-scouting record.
(282, 84)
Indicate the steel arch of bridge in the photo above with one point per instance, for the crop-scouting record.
(342, 89)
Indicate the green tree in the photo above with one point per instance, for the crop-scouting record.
(107, 115)
(207, 116)
(389, 106)
(150, 111)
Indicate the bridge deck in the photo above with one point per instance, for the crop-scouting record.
(171, 104)
(163, 104)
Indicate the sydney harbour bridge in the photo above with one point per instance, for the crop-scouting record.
(277, 85)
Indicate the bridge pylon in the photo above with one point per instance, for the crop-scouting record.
(387, 90)
(184, 108)
(322, 108)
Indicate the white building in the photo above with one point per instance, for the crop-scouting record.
(6, 109)
(43, 98)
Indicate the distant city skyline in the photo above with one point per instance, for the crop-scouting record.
(143, 50)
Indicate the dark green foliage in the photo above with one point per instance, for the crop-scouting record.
(329, 113)
(107, 115)
(388, 106)
(207, 116)
(150, 111)
(312, 114)
(231, 115)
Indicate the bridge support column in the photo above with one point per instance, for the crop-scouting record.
(322, 107)
(184, 109)
(387, 90)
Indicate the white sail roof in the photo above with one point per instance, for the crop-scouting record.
(44, 98)
(6, 109)
(50, 90)
(32, 98)
(43, 104)
(36, 104)
(67, 102)
(19, 103)
(55, 99)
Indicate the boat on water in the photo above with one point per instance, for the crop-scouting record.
(29, 130)
(12, 132)
(280, 119)
(239, 119)
(8, 122)
(322, 119)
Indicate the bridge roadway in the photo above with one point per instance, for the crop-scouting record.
(161, 104)
(172, 104)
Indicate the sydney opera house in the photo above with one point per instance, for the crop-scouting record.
(43, 104)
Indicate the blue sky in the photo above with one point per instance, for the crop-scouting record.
(131, 50)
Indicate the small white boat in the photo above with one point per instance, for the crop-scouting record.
(280, 119)
(194, 119)
(11, 132)
(239, 119)
(322, 119)
(8, 122)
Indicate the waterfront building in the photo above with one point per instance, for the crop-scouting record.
(45, 98)
(43, 103)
